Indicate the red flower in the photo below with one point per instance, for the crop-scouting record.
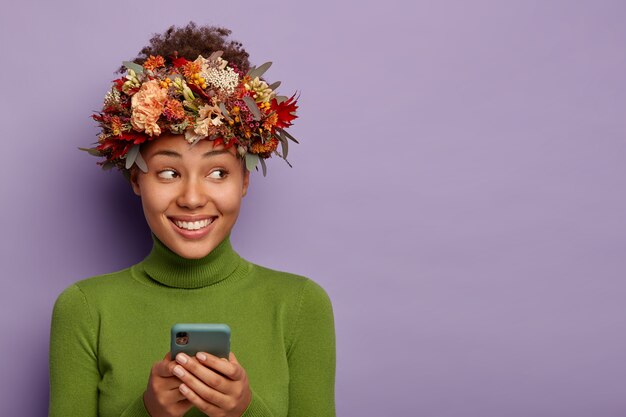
(134, 137)
(179, 62)
(227, 145)
(119, 83)
(199, 91)
(285, 111)
(113, 148)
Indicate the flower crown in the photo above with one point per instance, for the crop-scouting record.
(202, 99)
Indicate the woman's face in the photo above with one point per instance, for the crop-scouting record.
(190, 195)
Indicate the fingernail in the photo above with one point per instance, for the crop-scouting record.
(183, 388)
(181, 358)
(178, 371)
(201, 356)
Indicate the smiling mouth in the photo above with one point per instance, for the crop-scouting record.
(197, 225)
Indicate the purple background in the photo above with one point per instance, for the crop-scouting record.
(458, 191)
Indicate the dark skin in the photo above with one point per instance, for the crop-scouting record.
(216, 386)
(182, 180)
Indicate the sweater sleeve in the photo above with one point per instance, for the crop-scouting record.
(311, 357)
(74, 374)
(73, 362)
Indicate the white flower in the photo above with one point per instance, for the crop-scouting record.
(224, 79)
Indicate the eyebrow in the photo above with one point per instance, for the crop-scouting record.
(175, 154)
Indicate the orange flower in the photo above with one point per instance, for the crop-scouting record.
(154, 62)
(147, 105)
(191, 68)
(116, 126)
(173, 110)
(264, 149)
(270, 122)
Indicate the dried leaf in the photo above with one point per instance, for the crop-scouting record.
(263, 167)
(134, 66)
(131, 155)
(284, 144)
(91, 151)
(251, 161)
(215, 55)
(254, 109)
(274, 86)
(284, 132)
(258, 72)
(224, 111)
(141, 163)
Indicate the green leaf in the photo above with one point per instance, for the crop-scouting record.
(258, 72)
(91, 151)
(251, 161)
(254, 109)
(264, 168)
(224, 112)
(284, 132)
(274, 86)
(134, 66)
(280, 99)
(131, 155)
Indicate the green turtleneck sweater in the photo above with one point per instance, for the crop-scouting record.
(107, 332)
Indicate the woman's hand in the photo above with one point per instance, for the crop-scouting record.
(162, 398)
(216, 386)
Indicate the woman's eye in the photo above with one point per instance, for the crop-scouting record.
(218, 174)
(167, 174)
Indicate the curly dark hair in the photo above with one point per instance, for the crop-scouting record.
(193, 40)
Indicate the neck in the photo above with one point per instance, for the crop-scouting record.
(170, 269)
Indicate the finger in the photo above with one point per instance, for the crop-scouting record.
(161, 370)
(172, 394)
(207, 375)
(202, 405)
(164, 368)
(199, 387)
(231, 370)
(182, 406)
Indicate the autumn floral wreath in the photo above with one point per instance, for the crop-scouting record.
(201, 99)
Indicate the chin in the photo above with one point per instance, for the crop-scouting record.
(194, 251)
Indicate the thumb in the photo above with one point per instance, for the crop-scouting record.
(233, 358)
(163, 368)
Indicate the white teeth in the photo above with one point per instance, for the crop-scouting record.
(193, 225)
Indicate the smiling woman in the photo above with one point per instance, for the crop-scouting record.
(191, 196)
(187, 134)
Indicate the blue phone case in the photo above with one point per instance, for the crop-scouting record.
(213, 338)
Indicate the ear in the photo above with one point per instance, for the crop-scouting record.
(246, 182)
(134, 180)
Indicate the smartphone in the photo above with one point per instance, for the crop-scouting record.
(191, 338)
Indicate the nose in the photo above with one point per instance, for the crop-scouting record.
(192, 194)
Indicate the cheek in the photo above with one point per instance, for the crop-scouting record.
(229, 200)
(155, 199)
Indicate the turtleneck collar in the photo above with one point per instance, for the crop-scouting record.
(170, 269)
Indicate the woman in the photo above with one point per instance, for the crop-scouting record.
(185, 125)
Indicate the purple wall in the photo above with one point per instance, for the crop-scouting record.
(458, 190)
